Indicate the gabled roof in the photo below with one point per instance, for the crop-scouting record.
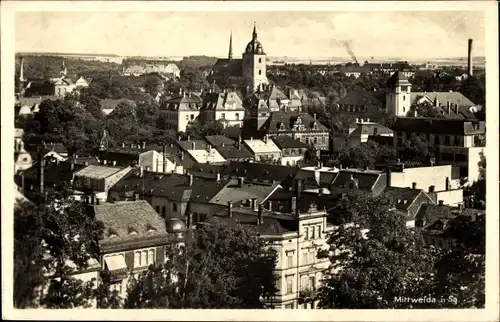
(443, 97)
(129, 221)
(285, 121)
(236, 194)
(438, 126)
(287, 142)
(370, 129)
(228, 148)
(54, 173)
(402, 197)
(228, 67)
(184, 102)
(169, 186)
(98, 171)
(261, 172)
(206, 156)
(218, 101)
(430, 212)
(365, 180)
(193, 145)
(262, 146)
(363, 98)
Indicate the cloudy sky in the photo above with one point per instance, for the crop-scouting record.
(292, 34)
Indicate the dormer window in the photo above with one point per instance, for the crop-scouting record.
(282, 127)
(150, 228)
(315, 126)
(132, 231)
(112, 233)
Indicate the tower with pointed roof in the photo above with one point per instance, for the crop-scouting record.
(63, 71)
(254, 63)
(398, 99)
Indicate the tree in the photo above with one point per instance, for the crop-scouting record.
(424, 110)
(311, 156)
(418, 147)
(217, 267)
(153, 84)
(367, 155)
(375, 259)
(54, 238)
(199, 130)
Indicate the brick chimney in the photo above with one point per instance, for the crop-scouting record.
(241, 181)
(469, 58)
(41, 171)
(298, 188)
(293, 206)
(260, 215)
(164, 159)
(191, 179)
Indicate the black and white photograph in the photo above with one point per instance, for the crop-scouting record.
(188, 156)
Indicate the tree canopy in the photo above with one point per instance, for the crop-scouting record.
(366, 154)
(216, 267)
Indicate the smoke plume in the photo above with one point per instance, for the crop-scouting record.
(347, 46)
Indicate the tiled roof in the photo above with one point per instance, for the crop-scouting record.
(170, 186)
(129, 221)
(365, 179)
(438, 126)
(287, 142)
(98, 171)
(402, 197)
(235, 193)
(286, 121)
(243, 217)
(228, 148)
(111, 103)
(205, 156)
(228, 67)
(355, 69)
(218, 101)
(369, 128)
(363, 98)
(193, 144)
(261, 146)
(325, 176)
(185, 102)
(261, 172)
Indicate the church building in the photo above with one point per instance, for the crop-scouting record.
(248, 72)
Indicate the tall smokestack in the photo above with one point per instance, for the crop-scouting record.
(469, 58)
(164, 159)
(41, 170)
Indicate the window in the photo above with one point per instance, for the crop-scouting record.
(137, 259)
(312, 256)
(237, 115)
(144, 257)
(306, 233)
(446, 140)
(192, 117)
(163, 211)
(312, 284)
(404, 99)
(260, 60)
(303, 282)
(312, 233)
(315, 140)
(223, 116)
(187, 117)
(260, 72)
(263, 114)
(306, 258)
(375, 131)
(174, 207)
(151, 256)
(318, 228)
(289, 260)
(289, 284)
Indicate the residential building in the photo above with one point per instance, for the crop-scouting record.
(371, 183)
(182, 111)
(225, 106)
(458, 142)
(264, 150)
(230, 150)
(359, 132)
(296, 235)
(292, 150)
(407, 202)
(362, 105)
(300, 126)
(198, 151)
(97, 180)
(163, 159)
(167, 70)
(135, 237)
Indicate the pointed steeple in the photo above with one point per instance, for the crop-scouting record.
(254, 34)
(64, 71)
(230, 56)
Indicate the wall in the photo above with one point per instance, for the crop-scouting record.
(292, 160)
(450, 197)
(168, 204)
(183, 122)
(423, 176)
(154, 161)
(113, 179)
(473, 159)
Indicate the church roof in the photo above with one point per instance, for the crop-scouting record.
(228, 67)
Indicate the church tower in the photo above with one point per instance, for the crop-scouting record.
(398, 100)
(254, 63)
(63, 71)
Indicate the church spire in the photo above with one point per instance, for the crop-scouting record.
(230, 56)
(64, 71)
(254, 34)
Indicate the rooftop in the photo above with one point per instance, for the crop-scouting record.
(262, 146)
(98, 171)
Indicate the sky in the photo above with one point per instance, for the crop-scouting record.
(292, 34)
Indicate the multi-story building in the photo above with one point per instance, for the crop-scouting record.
(296, 234)
(182, 111)
(226, 107)
(359, 132)
(230, 150)
(264, 150)
(458, 142)
(292, 150)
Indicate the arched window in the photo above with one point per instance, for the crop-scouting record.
(137, 259)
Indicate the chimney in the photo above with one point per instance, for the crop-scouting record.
(72, 165)
(143, 145)
(41, 170)
(189, 220)
(229, 209)
(270, 205)
(164, 159)
(141, 171)
(92, 199)
(193, 146)
(441, 202)
(469, 58)
(265, 138)
(241, 180)
(456, 108)
(218, 176)
(447, 183)
(432, 188)
(123, 145)
(136, 196)
(293, 206)
(254, 204)
(314, 115)
(114, 162)
(97, 201)
(414, 185)
(298, 188)
(388, 174)
(191, 178)
(261, 218)
(21, 70)
(449, 108)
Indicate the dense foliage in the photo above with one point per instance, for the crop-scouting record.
(216, 267)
